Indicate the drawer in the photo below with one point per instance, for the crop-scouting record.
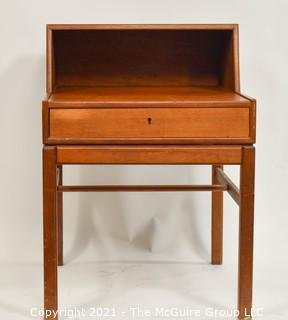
(97, 124)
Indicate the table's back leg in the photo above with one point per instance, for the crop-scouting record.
(246, 224)
(60, 218)
(217, 221)
(50, 230)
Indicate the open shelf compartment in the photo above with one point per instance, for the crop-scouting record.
(129, 56)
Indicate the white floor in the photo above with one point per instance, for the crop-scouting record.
(138, 290)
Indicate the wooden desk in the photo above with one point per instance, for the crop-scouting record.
(148, 94)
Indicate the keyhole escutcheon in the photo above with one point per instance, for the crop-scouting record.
(149, 120)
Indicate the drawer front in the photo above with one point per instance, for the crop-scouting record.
(146, 123)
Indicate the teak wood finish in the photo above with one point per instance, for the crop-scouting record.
(148, 94)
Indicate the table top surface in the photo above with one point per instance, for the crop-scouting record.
(170, 96)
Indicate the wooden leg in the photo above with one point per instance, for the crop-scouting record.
(60, 217)
(246, 222)
(50, 231)
(217, 221)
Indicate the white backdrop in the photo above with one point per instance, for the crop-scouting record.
(159, 243)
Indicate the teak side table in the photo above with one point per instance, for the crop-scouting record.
(148, 94)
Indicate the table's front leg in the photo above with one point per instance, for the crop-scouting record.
(60, 217)
(217, 220)
(50, 231)
(246, 225)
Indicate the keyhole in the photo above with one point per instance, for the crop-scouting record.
(149, 120)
